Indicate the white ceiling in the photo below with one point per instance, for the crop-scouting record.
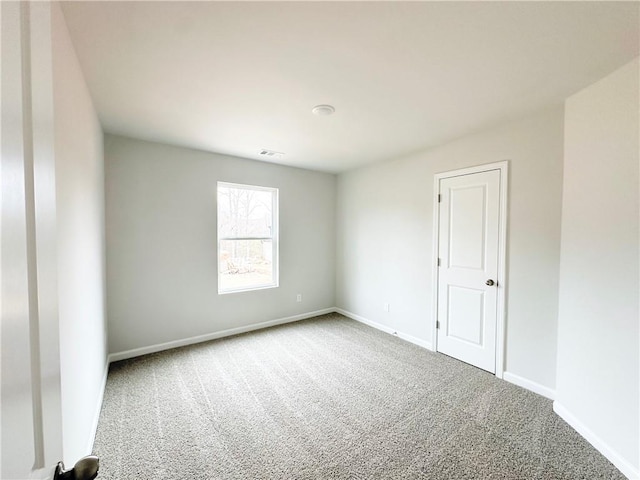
(237, 77)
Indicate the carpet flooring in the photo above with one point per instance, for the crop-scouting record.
(328, 398)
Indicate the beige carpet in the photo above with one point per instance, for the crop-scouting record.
(328, 398)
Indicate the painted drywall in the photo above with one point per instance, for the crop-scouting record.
(161, 243)
(598, 334)
(385, 237)
(81, 245)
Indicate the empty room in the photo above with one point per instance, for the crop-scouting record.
(320, 240)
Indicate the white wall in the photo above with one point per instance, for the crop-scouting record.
(598, 337)
(161, 243)
(81, 246)
(385, 237)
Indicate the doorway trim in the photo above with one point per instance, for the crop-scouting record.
(503, 166)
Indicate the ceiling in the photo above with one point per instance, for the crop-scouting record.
(238, 77)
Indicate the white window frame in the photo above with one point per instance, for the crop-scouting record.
(273, 238)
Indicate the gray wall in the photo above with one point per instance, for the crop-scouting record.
(81, 246)
(385, 237)
(598, 337)
(161, 243)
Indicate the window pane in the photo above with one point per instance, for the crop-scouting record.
(245, 264)
(244, 212)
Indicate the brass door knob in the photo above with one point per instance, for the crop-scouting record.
(490, 282)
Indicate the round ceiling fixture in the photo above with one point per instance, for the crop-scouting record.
(322, 110)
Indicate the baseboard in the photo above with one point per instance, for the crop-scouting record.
(529, 385)
(96, 415)
(384, 328)
(136, 352)
(621, 464)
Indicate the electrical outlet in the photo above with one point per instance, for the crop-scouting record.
(386, 307)
(299, 297)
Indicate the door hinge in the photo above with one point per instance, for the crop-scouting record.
(439, 198)
(438, 261)
(437, 325)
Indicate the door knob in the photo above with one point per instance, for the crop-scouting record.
(85, 469)
(490, 282)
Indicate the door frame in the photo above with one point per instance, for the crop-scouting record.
(503, 167)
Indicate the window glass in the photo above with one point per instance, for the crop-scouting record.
(247, 237)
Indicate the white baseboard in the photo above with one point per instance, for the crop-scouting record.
(621, 464)
(98, 409)
(529, 385)
(136, 352)
(384, 328)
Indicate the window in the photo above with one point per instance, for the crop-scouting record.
(247, 237)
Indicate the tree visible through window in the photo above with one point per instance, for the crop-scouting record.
(247, 237)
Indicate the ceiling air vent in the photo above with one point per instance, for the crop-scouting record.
(271, 154)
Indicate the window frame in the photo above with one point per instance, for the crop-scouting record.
(275, 232)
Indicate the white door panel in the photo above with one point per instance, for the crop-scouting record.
(30, 400)
(466, 227)
(464, 303)
(468, 236)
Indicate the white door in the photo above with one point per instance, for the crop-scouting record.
(468, 247)
(30, 400)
